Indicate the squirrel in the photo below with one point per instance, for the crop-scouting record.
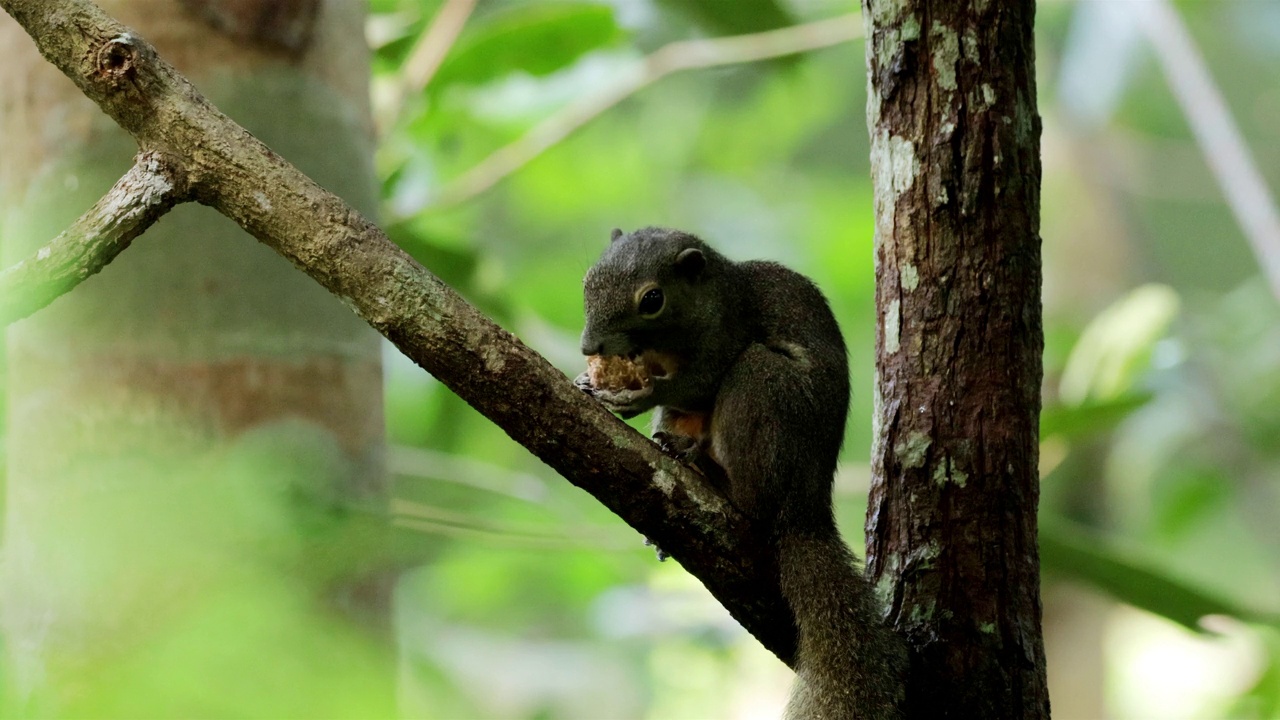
(753, 389)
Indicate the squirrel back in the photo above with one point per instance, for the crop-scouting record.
(757, 396)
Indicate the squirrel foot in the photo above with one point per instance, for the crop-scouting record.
(681, 447)
(662, 556)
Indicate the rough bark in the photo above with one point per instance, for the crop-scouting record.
(521, 392)
(951, 525)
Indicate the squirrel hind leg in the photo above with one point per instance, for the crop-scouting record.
(692, 453)
(681, 447)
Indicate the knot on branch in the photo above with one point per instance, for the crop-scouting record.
(118, 59)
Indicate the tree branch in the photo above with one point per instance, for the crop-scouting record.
(488, 367)
(137, 200)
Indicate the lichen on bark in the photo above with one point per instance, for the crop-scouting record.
(951, 519)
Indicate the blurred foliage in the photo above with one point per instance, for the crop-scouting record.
(1129, 578)
(744, 16)
(1160, 420)
(762, 160)
(522, 597)
(537, 40)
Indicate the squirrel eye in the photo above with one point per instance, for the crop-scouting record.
(651, 303)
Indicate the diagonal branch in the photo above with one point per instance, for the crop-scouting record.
(149, 190)
(429, 322)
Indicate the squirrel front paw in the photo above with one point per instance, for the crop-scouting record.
(623, 384)
(626, 403)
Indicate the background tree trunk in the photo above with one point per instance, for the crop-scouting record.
(155, 412)
(951, 522)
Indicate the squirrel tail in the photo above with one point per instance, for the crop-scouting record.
(849, 663)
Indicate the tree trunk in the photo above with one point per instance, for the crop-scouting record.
(951, 524)
(180, 421)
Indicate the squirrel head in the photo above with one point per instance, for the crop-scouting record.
(649, 289)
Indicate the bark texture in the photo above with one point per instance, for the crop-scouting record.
(951, 525)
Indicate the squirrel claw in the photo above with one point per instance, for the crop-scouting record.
(583, 383)
(625, 403)
(662, 556)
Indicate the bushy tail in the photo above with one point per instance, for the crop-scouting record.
(849, 664)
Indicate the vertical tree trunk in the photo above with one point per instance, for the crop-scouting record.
(952, 518)
(178, 422)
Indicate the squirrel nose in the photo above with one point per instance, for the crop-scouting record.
(595, 342)
(591, 343)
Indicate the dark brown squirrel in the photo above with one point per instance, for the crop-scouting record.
(755, 391)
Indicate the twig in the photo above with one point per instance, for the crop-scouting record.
(425, 58)
(671, 58)
(433, 46)
(425, 517)
(137, 200)
(1215, 130)
(422, 462)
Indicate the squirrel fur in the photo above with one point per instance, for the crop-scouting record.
(756, 394)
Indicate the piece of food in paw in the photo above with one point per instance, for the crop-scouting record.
(618, 374)
(615, 373)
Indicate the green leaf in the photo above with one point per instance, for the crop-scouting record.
(1262, 699)
(1187, 496)
(1089, 417)
(1129, 578)
(536, 39)
(733, 18)
(392, 29)
(1116, 347)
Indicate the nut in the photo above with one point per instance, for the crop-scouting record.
(615, 373)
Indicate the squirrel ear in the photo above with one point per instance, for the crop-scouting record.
(617, 233)
(690, 262)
